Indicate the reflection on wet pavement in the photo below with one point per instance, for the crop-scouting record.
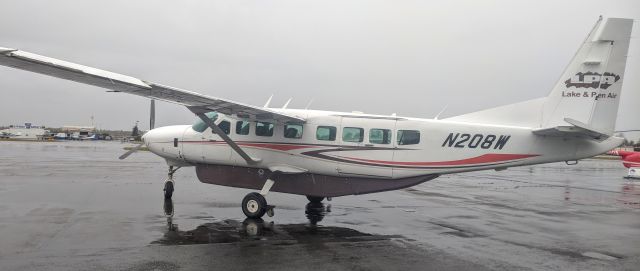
(630, 195)
(168, 211)
(252, 230)
(315, 211)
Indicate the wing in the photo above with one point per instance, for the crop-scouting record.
(123, 83)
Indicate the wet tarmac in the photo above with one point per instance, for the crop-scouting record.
(75, 206)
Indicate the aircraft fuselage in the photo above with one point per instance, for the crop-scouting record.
(351, 148)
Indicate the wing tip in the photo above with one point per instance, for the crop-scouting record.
(4, 50)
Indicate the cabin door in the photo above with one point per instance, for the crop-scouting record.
(366, 147)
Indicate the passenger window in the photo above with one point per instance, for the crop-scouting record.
(380, 136)
(225, 126)
(408, 137)
(352, 134)
(293, 130)
(327, 133)
(264, 128)
(242, 127)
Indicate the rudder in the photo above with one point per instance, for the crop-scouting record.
(589, 89)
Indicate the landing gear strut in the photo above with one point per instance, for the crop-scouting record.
(168, 184)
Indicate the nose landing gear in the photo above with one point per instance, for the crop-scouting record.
(254, 205)
(168, 189)
(168, 184)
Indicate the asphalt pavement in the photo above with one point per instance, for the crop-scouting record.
(75, 206)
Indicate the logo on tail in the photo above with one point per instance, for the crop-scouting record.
(592, 80)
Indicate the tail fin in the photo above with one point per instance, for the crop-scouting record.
(587, 94)
(589, 90)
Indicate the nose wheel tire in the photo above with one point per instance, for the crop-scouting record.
(314, 199)
(254, 205)
(168, 190)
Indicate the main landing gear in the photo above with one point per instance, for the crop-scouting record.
(254, 205)
(168, 184)
(314, 199)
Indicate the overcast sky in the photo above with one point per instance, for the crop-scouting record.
(406, 57)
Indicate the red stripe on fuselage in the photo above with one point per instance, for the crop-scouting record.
(272, 146)
(478, 160)
(482, 159)
(279, 147)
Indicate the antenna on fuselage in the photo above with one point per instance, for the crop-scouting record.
(309, 104)
(441, 111)
(287, 103)
(268, 101)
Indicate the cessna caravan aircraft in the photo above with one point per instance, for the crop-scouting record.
(329, 154)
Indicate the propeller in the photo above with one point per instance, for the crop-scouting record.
(132, 150)
(152, 115)
(152, 123)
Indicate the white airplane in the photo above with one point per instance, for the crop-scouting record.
(329, 154)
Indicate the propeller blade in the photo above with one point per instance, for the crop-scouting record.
(129, 152)
(152, 115)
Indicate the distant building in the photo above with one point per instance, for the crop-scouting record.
(79, 129)
(24, 132)
(78, 132)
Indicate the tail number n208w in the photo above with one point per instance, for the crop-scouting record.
(458, 140)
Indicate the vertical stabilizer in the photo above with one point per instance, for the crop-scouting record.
(589, 89)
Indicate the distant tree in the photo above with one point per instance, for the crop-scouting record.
(626, 141)
(135, 132)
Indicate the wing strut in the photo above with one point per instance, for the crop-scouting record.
(200, 113)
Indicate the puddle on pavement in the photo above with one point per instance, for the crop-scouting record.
(257, 231)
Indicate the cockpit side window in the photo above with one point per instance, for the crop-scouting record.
(200, 126)
(225, 126)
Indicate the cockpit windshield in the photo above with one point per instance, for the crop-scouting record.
(200, 126)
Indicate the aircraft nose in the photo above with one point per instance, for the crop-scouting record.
(157, 135)
(145, 138)
(162, 135)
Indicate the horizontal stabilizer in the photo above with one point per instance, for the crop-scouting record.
(577, 129)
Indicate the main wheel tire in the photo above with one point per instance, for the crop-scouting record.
(168, 190)
(254, 205)
(315, 199)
